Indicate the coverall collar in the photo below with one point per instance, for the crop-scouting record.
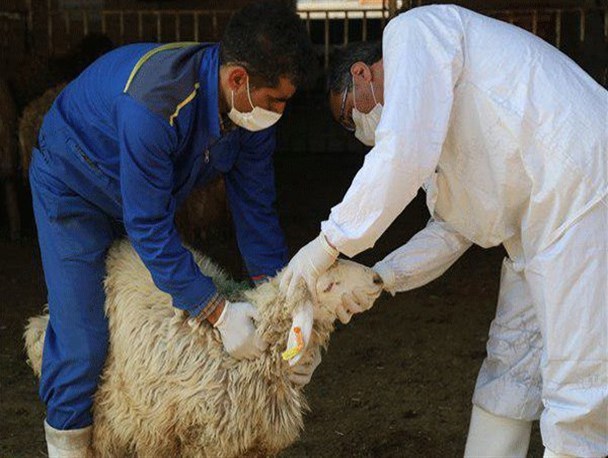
(209, 81)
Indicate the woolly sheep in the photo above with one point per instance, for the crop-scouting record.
(168, 387)
(30, 122)
(204, 215)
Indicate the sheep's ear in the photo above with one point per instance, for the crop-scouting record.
(303, 317)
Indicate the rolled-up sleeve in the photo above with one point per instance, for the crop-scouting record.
(146, 176)
(422, 59)
(250, 186)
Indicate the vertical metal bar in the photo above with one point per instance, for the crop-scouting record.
(30, 15)
(121, 22)
(308, 22)
(140, 26)
(66, 21)
(345, 27)
(214, 24)
(49, 25)
(558, 29)
(195, 26)
(326, 61)
(85, 22)
(581, 24)
(392, 7)
(159, 27)
(535, 22)
(177, 26)
(364, 27)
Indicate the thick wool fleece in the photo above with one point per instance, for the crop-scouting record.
(170, 389)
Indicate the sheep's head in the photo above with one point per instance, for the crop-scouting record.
(342, 278)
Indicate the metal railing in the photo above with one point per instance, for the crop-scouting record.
(12, 24)
(176, 18)
(360, 16)
(328, 27)
(535, 15)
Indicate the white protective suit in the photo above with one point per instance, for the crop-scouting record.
(511, 138)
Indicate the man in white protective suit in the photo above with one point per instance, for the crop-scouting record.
(509, 138)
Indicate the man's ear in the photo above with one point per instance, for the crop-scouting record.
(237, 77)
(361, 70)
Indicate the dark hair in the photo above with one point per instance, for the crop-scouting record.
(269, 39)
(368, 52)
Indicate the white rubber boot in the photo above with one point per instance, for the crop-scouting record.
(73, 443)
(549, 454)
(497, 437)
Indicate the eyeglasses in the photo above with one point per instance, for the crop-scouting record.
(345, 120)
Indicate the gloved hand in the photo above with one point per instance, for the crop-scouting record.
(238, 330)
(308, 265)
(302, 371)
(357, 301)
(387, 275)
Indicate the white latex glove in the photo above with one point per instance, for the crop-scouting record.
(238, 330)
(386, 273)
(301, 372)
(357, 301)
(308, 265)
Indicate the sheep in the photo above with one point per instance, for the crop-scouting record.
(169, 389)
(204, 216)
(30, 122)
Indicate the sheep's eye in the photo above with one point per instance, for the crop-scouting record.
(329, 287)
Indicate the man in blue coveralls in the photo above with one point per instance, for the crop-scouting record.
(120, 149)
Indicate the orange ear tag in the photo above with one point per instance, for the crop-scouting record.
(294, 351)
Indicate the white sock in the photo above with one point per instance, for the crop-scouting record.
(71, 443)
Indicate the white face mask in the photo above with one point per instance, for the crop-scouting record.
(254, 120)
(366, 123)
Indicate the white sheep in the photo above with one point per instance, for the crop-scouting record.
(30, 122)
(168, 387)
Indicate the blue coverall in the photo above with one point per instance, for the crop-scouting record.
(120, 149)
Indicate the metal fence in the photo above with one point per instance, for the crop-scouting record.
(328, 27)
(13, 38)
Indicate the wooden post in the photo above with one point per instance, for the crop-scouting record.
(326, 59)
(12, 208)
(392, 7)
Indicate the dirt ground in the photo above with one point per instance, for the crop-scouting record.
(396, 382)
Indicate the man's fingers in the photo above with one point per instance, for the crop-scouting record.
(311, 284)
(252, 312)
(285, 280)
(293, 286)
(299, 379)
(343, 315)
(260, 344)
(349, 303)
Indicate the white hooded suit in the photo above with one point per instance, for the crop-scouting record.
(509, 137)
